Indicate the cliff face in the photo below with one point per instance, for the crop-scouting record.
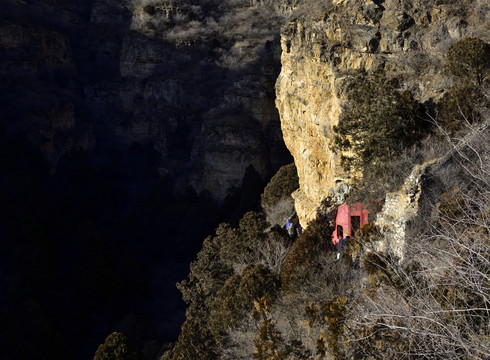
(40, 98)
(208, 72)
(192, 82)
(323, 47)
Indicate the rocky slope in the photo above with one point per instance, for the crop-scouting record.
(325, 44)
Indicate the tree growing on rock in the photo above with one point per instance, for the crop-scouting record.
(276, 199)
(115, 347)
(379, 123)
(237, 296)
(470, 59)
(461, 104)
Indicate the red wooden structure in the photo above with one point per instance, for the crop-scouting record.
(349, 219)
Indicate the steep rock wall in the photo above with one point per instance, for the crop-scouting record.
(208, 75)
(324, 44)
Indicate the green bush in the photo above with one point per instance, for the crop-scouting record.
(243, 242)
(208, 273)
(252, 226)
(380, 122)
(226, 310)
(460, 104)
(299, 263)
(330, 317)
(237, 296)
(257, 281)
(269, 343)
(211, 288)
(282, 184)
(276, 199)
(115, 347)
(470, 59)
(195, 342)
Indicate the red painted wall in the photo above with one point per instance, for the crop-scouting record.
(344, 213)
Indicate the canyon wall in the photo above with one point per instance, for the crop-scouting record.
(40, 97)
(191, 82)
(325, 44)
(130, 103)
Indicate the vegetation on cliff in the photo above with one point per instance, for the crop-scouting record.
(469, 58)
(276, 199)
(304, 303)
(253, 296)
(380, 122)
(384, 131)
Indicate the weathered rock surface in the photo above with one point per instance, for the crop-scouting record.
(325, 45)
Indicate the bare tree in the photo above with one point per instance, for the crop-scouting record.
(437, 303)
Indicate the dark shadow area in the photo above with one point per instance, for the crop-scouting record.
(95, 241)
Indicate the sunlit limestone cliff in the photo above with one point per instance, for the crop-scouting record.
(325, 45)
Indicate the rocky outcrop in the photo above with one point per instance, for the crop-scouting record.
(323, 45)
(400, 210)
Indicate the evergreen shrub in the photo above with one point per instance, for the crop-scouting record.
(115, 347)
(469, 58)
(315, 241)
(195, 342)
(379, 123)
(281, 185)
(237, 297)
(461, 104)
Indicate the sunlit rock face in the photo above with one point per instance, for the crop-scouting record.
(107, 74)
(325, 43)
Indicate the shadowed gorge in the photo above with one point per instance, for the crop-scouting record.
(125, 141)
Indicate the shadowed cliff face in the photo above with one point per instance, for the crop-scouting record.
(109, 113)
(191, 81)
(40, 93)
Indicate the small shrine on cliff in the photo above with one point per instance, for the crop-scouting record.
(349, 219)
